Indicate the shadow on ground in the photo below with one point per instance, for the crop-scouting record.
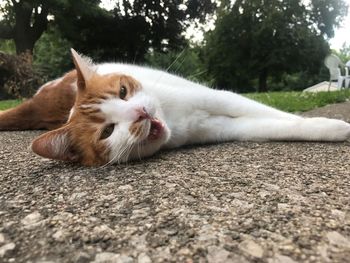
(233, 202)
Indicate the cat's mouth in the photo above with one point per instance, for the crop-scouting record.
(156, 130)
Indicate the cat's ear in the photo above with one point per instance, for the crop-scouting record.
(84, 67)
(56, 145)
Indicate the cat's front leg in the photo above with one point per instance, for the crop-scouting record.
(221, 128)
(226, 103)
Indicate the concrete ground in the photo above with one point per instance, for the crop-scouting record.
(233, 202)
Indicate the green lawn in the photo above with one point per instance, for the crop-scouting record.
(292, 101)
(6, 104)
(300, 101)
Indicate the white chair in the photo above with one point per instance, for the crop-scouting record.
(335, 76)
(347, 76)
(332, 62)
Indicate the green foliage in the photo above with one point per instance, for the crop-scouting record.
(327, 15)
(256, 39)
(300, 101)
(24, 21)
(125, 33)
(7, 104)
(343, 53)
(7, 46)
(52, 54)
(132, 28)
(297, 81)
(186, 63)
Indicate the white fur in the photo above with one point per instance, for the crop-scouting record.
(193, 113)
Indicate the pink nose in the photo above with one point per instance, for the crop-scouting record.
(142, 114)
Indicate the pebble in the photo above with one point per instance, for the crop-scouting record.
(126, 187)
(31, 218)
(77, 196)
(217, 255)
(125, 259)
(82, 257)
(280, 259)
(322, 250)
(337, 239)
(143, 258)
(105, 257)
(7, 247)
(59, 235)
(283, 207)
(338, 214)
(252, 248)
(108, 257)
(103, 232)
(2, 238)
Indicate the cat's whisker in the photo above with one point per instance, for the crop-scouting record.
(197, 74)
(132, 146)
(118, 155)
(168, 68)
(121, 154)
(180, 65)
(128, 154)
(176, 59)
(139, 148)
(124, 154)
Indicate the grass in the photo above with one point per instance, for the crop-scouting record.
(6, 104)
(292, 101)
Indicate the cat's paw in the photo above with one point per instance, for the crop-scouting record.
(331, 129)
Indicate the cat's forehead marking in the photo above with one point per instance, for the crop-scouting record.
(106, 86)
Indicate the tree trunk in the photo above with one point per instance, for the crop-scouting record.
(263, 81)
(31, 22)
(23, 44)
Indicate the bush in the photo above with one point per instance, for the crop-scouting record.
(52, 56)
(18, 79)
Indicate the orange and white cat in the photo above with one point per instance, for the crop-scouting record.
(108, 113)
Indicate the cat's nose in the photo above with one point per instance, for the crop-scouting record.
(142, 114)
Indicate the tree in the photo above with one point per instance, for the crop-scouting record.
(259, 38)
(126, 32)
(343, 53)
(132, 28)
(25, 20)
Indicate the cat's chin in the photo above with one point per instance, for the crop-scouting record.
(157, 136)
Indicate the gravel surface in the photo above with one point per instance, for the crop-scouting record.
(233, 202)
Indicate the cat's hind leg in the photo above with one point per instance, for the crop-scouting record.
(221, 128)
(48, 109)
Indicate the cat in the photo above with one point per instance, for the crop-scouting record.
(108, 113)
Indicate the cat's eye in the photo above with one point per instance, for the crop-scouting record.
(107, 131)
(123, 92)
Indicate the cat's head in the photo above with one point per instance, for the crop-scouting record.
(113, 120)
